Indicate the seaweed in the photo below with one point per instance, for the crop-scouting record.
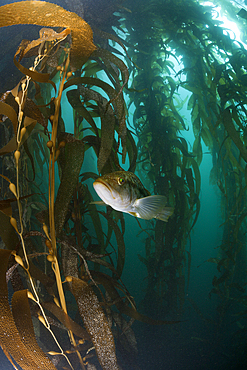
(63, 246)
(179, 45)
(59, 255)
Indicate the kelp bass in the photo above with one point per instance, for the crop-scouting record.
(123, 191)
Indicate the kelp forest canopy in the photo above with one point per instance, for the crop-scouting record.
(89, 87)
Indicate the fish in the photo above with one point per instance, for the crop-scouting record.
(124, 191)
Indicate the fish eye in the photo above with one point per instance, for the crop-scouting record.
(120, 180)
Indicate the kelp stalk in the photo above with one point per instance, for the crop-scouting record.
(20, 99)
(53, 157)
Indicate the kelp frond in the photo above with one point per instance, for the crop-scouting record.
(50, 15)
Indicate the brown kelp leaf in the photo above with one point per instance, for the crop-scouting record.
(225, 276)
(10, 147)
(182, 145)
(238, 224)
(131, 149)
(45, 35)
(9, 334)
(109, 36)
(29, 124)
(107, 136)
(115, 99)
(96, 323)
(36, 76)
(66, 320)
(22, 47)
(108, 123)
(7, 210)
(8, 111)
(76, 103)
(207, 137)
(7, 232)
(190, 180)
(44, 279)
(30, 109)
(197, 149)
(85, 254)
(110, 91)
(50, 15)
(90, 69)
(30, 157)
(70, 159)
(8, 357)
(197, 175)
(69, 260)
(110, 286)
(94, 215)
(198, 207)
(233, 133)
(5, 203)
(134, 314)
(24, 324)
(120, 243)
(107, 56)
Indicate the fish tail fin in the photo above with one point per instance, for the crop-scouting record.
(165, 214)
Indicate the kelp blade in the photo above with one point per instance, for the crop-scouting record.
(96, 323)
(23, 321)
(10, 337)
(7, 232)
(71, 159)
(47, 14)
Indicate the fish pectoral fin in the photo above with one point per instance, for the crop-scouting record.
(150, 207)
(99, 203)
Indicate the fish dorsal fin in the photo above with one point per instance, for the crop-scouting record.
(149, 207)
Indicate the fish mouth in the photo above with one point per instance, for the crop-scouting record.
(99, 189)
(102, 182)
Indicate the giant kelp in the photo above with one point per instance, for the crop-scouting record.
(56, 230)
(61, 214)
(163, 154)
(179, 44)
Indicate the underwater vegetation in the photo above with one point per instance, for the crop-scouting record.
(63, 304)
